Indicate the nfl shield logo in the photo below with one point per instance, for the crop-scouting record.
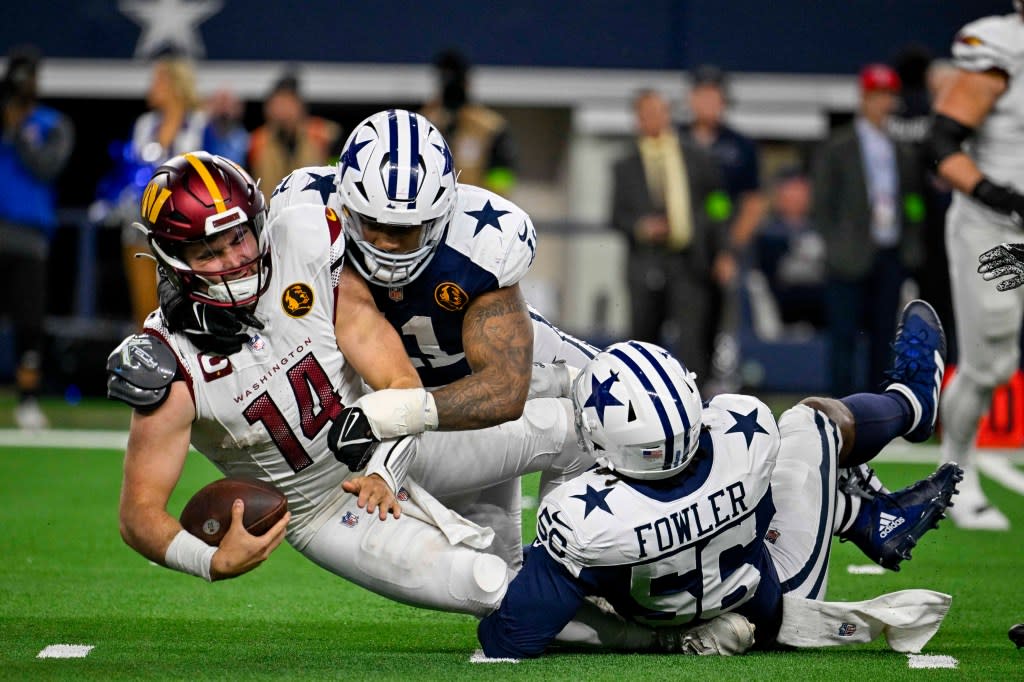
(847, 629)
(403, 495)
(349, 519)
(256, 343)
(396, 294)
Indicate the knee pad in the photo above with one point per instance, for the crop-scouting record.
(479, 580)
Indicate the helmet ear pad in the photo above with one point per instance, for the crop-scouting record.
(396, 169)
(638, 411)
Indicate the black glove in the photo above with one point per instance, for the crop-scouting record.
(1005, 260)
(212, 329)
(351, 439)
(1000, 198)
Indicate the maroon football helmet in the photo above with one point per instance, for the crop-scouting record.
(196, 198)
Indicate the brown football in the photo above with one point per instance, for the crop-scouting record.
(208, 514)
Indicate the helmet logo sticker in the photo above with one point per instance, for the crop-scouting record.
(450, 296)
(396, 294)
(297, 299)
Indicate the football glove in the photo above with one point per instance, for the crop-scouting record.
(351, 439)
(1005, 260)
(211, 329)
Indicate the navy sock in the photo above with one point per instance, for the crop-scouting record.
(879, 418)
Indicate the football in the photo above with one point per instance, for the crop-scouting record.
(208, 514)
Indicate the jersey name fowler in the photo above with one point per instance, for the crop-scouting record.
(692, 522)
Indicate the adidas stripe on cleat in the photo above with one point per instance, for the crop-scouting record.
(889, 525)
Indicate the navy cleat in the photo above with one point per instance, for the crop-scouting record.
(889, 525)
(1017, 634)
(920, 360)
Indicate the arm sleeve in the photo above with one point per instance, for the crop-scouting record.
(540, 601)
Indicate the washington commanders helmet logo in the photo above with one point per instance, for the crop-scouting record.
(297, 299)
(450, 296)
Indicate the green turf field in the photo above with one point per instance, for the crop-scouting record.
(66, 578)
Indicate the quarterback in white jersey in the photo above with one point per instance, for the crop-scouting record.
(701, 511)
(265, 408)
(977, 142)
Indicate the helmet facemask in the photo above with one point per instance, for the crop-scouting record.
(396, 173)
(239, 285)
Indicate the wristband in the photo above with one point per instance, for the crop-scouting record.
(189, 554)
(997, 197)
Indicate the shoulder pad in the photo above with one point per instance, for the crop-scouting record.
(140, 371)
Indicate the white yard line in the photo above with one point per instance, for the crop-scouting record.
(931, 661)
(65, 651)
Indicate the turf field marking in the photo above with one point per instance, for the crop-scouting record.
(65, 651)
(865, 569)
(479, 657)
(928, 661)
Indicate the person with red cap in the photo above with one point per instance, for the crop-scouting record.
(868, 205)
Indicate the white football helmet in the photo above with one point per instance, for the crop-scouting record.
(396, 171)
(638, 411)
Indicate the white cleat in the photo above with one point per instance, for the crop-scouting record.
(730, 634)
(29, 417)
(971, 510)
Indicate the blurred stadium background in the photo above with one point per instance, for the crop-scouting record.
(562, 73)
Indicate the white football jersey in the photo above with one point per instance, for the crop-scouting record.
(998, 146)
(689, 549)
(265, 411)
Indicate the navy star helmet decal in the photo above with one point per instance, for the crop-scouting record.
(447, 154)
(281, 186)
(488, 215)
(747, 425)
(594, 499)
(350, 159)
(323, 184)
(601, 394)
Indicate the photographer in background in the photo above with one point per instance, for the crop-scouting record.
(34, 148)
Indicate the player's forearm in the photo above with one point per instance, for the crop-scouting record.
(480, 400)
(752, 210)
(149, 531)
(960, 171)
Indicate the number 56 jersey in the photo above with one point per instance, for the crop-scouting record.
(685, 549)
(265, 411)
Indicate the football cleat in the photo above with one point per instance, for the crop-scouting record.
(889, 525)
(1017, 634)
(973, 511)
(918, 365)
(729, 634)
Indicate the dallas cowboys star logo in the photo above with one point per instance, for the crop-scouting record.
(488, 215)
(601, 394)
(321, 183)
(594, 499)
(281, 187)
(746, 424)
(447, 154)
(351, 158)
(170, 24)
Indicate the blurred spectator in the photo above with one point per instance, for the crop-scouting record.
(661, 190)
(35, 146)
(173, 125)
(225, 134)
(739, 160)
(482, 147)
(791, 252)
(867, 202)
(289, 138)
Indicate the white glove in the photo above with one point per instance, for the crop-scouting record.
(394, 412)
